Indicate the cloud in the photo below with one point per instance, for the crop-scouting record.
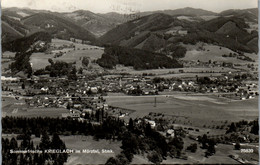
(31, 3)
(129, 6)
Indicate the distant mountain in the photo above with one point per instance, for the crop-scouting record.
(116, 17)
(57, 25)
(18, 23)
(156, 32)
(138, 59)
(140, 29)
(18, 13)
(247, 14)
(188, 11)
(231, 26)
(152, 31)
(12, 29)
(98, 24)
(24, 43)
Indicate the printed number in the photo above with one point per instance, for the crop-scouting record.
(247, 150)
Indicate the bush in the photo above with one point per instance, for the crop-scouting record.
(139, 59)
(193, 147)
(154, 157)
(85, 61)
(237, 146)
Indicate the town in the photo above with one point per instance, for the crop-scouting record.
(177, 86)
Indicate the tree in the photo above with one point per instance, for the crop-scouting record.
(56, 142)
(154, 157)
(129, 142)
(112, 161)
(232, 128)
(45, 141)
(255, 127)
(25, 144)
(85, 61)
(193, 147)
(237, 146)
(68, 106)
(73, 74)
(128, 154)
(61, 159)
(122, 159)
(23, 86)
(37, 132)
(211, 148)
(204, 141)
(177, 142)
(13, 144)
(80, 71)
(50, 61)
(131, 124)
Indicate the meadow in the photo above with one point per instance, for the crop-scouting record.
(196, 110)
(40, 60)
(78, 142)
(213, 53)
(18, 108)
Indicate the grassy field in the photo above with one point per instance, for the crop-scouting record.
(213, 53)
(5, 61)
(87, 142)
(40, 60)
(196, 110)
(221, 156)
(8, 54)
(207, 18)
(169, 73)
(79, 142)
(18, 108)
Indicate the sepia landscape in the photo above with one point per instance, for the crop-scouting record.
(175, 86)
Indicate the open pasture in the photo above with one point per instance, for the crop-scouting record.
(42, 112)
(196, 110)
(192, 70)
(79, 142)
(18, 108)
(87, 142)
(40, 60)
(213, 53)
(8, 54)
(221, 156)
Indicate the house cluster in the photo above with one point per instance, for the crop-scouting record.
(178, 30)
(222, 84)
(128, 84)
(211, 64)
(69, 102)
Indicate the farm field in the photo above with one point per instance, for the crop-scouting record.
(189, 75)
(213, 53)
(5, 66)
(17, 108)
(8, 54)
(198, 111)
(191, 70)
(83, 142)
(221, 156)
(80, 142)
(6, 61)
(40, 60)
(87, 142)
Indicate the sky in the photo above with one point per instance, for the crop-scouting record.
(129, 6)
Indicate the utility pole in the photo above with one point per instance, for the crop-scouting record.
(154, 101)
